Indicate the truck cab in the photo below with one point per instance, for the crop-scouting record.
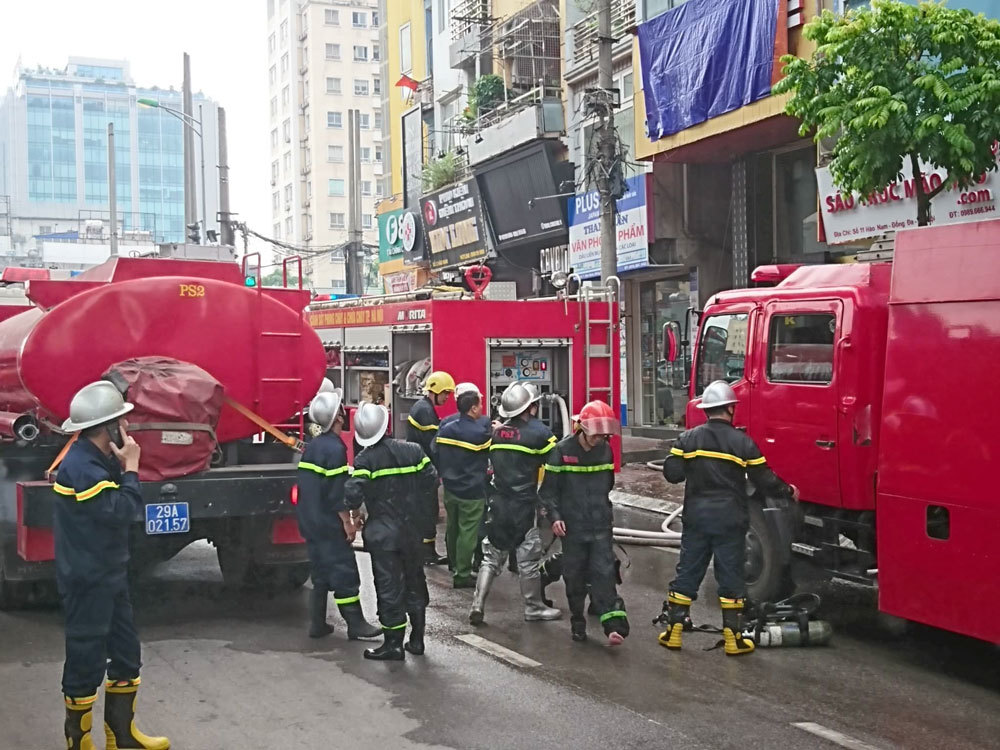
(806, 358)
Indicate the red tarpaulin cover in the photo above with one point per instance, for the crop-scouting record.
(177, 408)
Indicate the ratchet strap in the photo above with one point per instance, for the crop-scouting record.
(61, 456)
(281, 437)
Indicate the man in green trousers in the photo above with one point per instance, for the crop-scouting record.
(462, 445)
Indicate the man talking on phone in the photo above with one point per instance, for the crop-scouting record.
(98, 498)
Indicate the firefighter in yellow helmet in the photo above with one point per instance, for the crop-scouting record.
(421, 427)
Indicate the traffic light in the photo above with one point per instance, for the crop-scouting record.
(194, 233)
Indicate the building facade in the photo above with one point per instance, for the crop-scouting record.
(54, 154)
(324, 59)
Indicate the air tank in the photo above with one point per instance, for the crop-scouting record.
(253, 341)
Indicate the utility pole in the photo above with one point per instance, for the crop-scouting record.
(607, 143)
(204, 185)
(190, 189)
(225, 227)
(354, 249)
(112, 190)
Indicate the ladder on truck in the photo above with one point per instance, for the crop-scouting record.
(605, 300)
(270, 336)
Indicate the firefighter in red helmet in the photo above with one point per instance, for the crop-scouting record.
(579, 476)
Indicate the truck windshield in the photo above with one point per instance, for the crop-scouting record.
(722, 349)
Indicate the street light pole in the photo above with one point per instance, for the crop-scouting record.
(195, 126)
(204, 186)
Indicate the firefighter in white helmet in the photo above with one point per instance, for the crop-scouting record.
(326, 524)
(97, 500)
(518, 449)
(715, 459)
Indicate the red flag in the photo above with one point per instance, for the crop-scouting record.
(407, 83)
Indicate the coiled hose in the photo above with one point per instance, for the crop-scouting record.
(666, 537)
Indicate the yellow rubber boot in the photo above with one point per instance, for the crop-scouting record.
(119, 719)
(79, 722)
(677, 612)
(732, 628)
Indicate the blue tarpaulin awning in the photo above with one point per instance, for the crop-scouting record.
(703, 59)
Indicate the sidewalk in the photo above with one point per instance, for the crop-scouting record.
(637, 486)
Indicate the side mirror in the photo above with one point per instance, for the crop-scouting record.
(670, 342)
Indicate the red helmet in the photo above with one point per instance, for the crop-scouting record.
(598, 418)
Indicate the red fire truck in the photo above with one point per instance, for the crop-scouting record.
(871, 387)
(201, 316)
(380, 348)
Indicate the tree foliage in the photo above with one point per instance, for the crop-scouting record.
(441, 171)
(897, 81)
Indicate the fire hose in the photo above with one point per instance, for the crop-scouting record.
(665, 537)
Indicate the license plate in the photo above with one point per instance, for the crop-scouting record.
(167, 518)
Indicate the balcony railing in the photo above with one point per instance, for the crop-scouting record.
(583, 34)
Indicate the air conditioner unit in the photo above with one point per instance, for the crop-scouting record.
(273, 183)
(288, 206)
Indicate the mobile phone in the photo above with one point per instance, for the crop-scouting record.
(115, 433)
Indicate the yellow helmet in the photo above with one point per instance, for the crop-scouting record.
(439, 381)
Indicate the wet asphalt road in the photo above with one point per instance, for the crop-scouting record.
(228, 670)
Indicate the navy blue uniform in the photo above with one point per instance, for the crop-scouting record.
(421, 427)
(576, 490)
(716, 460)
(389, 479)
(95, 505)
(323, 472)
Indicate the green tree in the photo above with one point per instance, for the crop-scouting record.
(897, 81)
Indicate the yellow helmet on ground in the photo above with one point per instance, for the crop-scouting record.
(439, 381)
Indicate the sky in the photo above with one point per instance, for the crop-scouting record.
(227, 41)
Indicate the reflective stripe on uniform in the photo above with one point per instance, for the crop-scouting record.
(347, 600)
(394, 627)
(726, 603)
(424, 427)
(67, 491)
(615, 613)
(716, 454)
(81, 703)
(392, 472)
(463, 444)
(324, 472)
(534, 451)
(96, 490)
(579, 469)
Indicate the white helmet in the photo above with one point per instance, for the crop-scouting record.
(515, 399)
(94, 404)
(370, 423)
(326, 386)
(717, 394)
(324, 410)
(467, 388)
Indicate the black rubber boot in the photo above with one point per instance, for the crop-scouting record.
(577, 620)
(578, 628)
(318, 626)
(357, 626)
(391, 648)
(677, 611)
(732, 628)
(120, 730)
(79, 722)
(431, 557)
(418, 620)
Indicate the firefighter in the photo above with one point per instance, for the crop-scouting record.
(579, 477)
(462, 447)
(390, 477)
(326, 524)
(312, 429)
(98, 498)
(421, 426)
(716, 460)
(518, 449)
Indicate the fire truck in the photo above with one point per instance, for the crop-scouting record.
(380, 348)
(870, 386)
(205, 316)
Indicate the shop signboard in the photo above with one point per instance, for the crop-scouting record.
(390, 240)
(632, 230)
(454, 226)
(848, 218)
(411, 237)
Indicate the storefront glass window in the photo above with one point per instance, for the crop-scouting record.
(664, 394)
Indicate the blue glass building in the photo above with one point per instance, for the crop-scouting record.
(54, 151)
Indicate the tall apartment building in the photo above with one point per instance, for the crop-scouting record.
(323, 60)
(54, 153)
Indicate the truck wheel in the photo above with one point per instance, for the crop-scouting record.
(241, 571)
(768, 580)
(13, 594)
